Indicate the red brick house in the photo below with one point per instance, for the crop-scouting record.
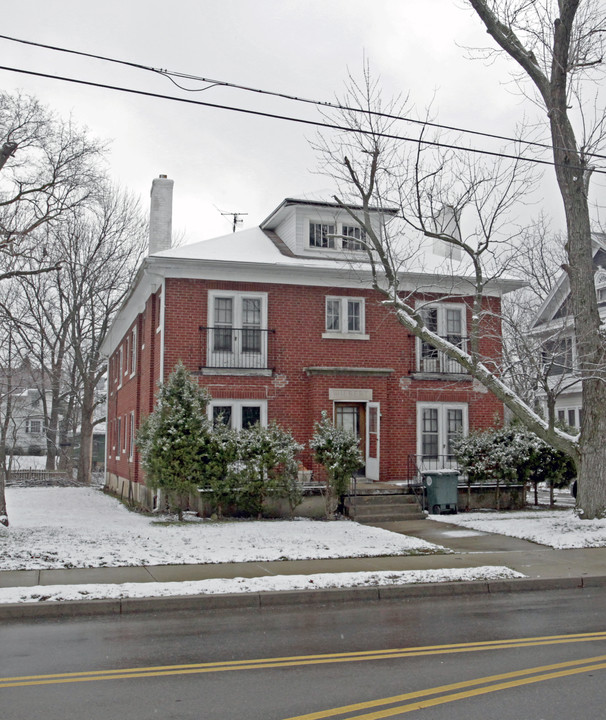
(279, 322)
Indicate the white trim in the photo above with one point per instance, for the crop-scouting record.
(442, 407)
(343, 333)
(236, 406)
(161, 327)
(134, 351)
(237, 296)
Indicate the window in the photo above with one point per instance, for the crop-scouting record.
(120, 365)
(438, 425)
(133, 352)
(447, 321)
(237, 337)
(118, 437)
(131, 444)
(333, 236)
(558, 356)
(345, 316)
(352, 236)
(321, 235)
(238, 414)
(571, 416)
(33, 427)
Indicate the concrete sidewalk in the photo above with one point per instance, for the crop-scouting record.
(543, 567)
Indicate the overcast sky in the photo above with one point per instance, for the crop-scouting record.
(226, 161)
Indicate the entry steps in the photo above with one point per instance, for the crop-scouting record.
(383, 502)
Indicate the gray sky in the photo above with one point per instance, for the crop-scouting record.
(223, 160)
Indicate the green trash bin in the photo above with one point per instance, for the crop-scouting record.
(440, 491)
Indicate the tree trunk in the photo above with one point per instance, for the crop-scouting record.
(3, 509)
(85, 460)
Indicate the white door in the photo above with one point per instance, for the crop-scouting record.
(373, 437)
(438, 424)
(236, 339)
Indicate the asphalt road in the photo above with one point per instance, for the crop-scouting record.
(518, 656)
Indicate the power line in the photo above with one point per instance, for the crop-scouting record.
(170, 75)
(301, 121)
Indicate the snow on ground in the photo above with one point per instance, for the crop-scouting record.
(82, 527)
(43, 593)
(560, 529)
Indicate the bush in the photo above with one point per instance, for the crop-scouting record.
(265, 464)
(512, 455)
(174, 440)
(338, 451)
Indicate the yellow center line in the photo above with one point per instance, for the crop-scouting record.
(300, 660)
(524, 677)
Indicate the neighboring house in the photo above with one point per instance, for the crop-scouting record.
(279, 322)
(554, 328)
(25, 431)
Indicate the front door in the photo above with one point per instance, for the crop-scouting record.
(352, 417)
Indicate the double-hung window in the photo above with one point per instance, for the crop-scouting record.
(237, 332)
(345, 317)
(448, 322)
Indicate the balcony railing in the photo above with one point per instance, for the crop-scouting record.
(432, 360)
(247, 348)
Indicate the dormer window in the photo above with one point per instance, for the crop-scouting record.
(321, 235)
(352, 236)
(336, 236)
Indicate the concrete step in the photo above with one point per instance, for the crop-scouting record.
(392, 517)
(383, 507)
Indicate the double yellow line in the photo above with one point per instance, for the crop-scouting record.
(468, 688)
(304, 660)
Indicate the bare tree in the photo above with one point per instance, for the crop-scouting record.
(100, 252)
(48, 167)
(559, 49)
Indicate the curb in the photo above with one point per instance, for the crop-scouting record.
(199, 603)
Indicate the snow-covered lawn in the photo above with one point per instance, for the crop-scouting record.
(560, 529)
(82, 527)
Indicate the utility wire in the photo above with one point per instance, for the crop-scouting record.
(301, 121)
(170, 75)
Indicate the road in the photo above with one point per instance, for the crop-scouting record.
(516, 656)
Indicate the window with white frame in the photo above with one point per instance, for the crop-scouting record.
(438, 425)
(237, 332)
(120, 365)
(344, 316)
(131, 436)
(133, 351)
(571, 416)
(238, 414)
(447, 321)
(352, 235)
(33, 427)
(118, 436)
(336, 236)
(321, 235)
(558, 356)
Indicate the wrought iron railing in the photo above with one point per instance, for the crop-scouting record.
(225, 347)
(432, 360)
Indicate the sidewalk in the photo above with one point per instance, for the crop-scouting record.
(544, 568)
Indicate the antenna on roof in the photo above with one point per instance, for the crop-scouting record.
(236, 218)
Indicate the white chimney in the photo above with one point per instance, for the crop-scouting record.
(161, 215)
